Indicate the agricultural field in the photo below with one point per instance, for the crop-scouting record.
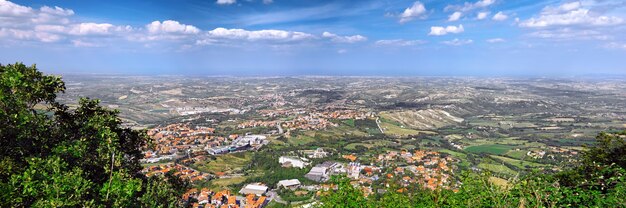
(496, 149)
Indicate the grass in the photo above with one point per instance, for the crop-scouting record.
(519, 163)
(225, 183)
(497, 168)
(496, 149)
(518, 154)
(369, 144)
(349, 122)
(498, 181)
(225, 163)
(391, 129)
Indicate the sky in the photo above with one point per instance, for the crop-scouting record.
(317, 37)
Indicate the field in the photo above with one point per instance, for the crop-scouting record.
(497, 168)
(519, 163)
(228, 163)
(225, 183)
(496, 149)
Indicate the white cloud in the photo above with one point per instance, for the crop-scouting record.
(268, 1)
(57, 11)
(344, 39)
(17, 34)
(570, 14)
(495, 40)
(342, 51)
(225, 2)
(241, 34)
(399, 42)
(615, 45)
(570, 34)
(417, 10)
(171, 26)
(467, 6)
(436, 30)
(80, 43)
(500, 16)
(455, 16)
(457, 42)
(9, 9)
(482, 15)
(91, 29)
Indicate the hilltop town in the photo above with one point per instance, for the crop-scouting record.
(267, 142)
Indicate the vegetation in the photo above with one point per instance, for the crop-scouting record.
(69, 157)
(598, 180)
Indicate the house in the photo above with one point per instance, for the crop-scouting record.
(292, 162)
(289, 184)
(254, 188)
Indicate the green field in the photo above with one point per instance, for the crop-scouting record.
(225, 163)
(519, 163)
(496, 149)
(497, 168)
(225, 183)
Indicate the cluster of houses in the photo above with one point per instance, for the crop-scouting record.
(180, 137)
(243, 143)
(181, 171)
(314, 120)
(206, 198)
(429, 169)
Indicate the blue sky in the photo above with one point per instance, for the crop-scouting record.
(317, 37)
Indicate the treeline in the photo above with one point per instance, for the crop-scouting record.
(598, 180)
(54, 156)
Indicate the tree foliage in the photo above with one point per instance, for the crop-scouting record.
(54, 156)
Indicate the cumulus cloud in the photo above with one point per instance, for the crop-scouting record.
(399, 42)
(455, 16)
(467, 6)
(500, 16)
(225, 2)
(437, 31)
(457, 42)
(10, 9)
(343, 39)
(417, 10)
(171, 26)
(219, 35)
(495, 40)
(569, 14)
(49, 24)
(96, 29)
(482, 15)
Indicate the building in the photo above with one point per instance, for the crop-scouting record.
(254, 188)
(289, 184)
(292, 162)
(319, 174)
(218, 150)
(318, 153)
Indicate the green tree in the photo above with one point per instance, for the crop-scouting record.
(344, 196)
(54, 156)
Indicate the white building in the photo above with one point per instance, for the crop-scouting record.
(292, 162)
(290, 184)
(254, 188)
